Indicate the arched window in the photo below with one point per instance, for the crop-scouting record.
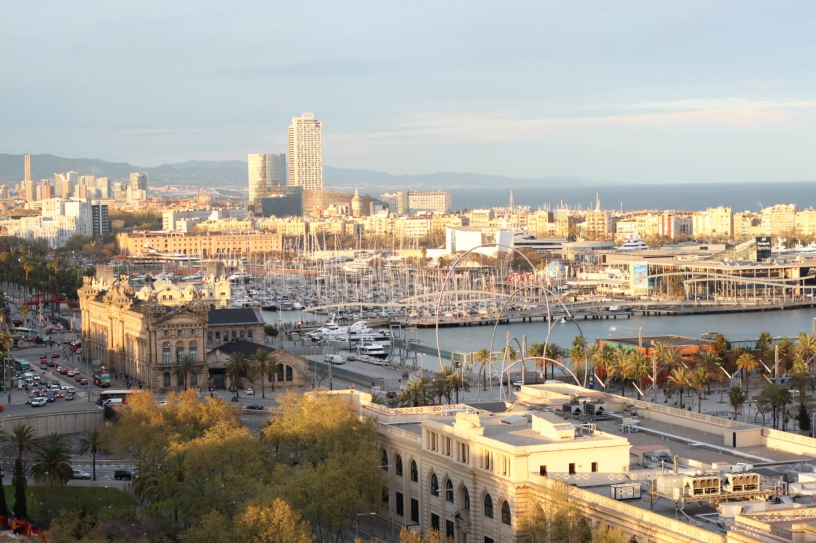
(414, 472)
(506, 513)
(217, 337)
(384, 461)
(167, 378)
(434, 485)
(449, 491)
(398, 465)
(209, 337)
(488, 506)
(465, 499)
(249, 335)
(242, 334)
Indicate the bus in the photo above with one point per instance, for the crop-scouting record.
(122, 395)
(102, 378)
(21, 365)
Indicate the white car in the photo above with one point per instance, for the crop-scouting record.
(249, 392)
(79, 474)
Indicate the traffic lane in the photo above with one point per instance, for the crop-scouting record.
(60, 405)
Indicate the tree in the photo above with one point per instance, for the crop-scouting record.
(414, 393)
(711, 362)
(93, 441)
(264, 362)
(806, 346)
(456, 381)
(270, 331)
(620, 366)
(721, 346)
(637, 368)
(536, 351)
(803, 418)
(187, 365)
(483, 357)
(698, 380)
(236, 367)
(678, 381)
(20, 505)
(25, 310)
(747, 363)
(602, 359)
(52, 462)
(763, 345)
(555, 353)
(736, 398)
(21, 439)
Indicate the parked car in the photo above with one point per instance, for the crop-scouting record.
(79, 474)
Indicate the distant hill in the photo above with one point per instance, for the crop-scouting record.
(210, 173)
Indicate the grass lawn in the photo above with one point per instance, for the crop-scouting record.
(44, 503)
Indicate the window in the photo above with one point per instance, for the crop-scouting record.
(449, 529)
(217, 337)
(179, 353)
(209, 337)
(465, 499)
(446, 446)
(384, 461)
(488, 539)
(166, 333)
(434, 522)
(192, 332)
(194, 379)
(399, 505)
(572, 469)
(167, 378)
(233, 334)
(464, 453)
(178, 333)
(449, 491)
(249, 335)
(194, 353)
(242, 334)
(398, 465)
(280, 373)
(433, 441)
(506, 513)
(180, 380)
(488, 506)
(166, 356)
(504, 465)
(487, 460)
(414, 472)
(594, 467)
(414, 510)
(542, 470)
(434, 485)
(288, 373)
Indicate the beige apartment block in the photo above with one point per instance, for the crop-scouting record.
(805, 223)
(598, 225)
(779, 220)
(209, 245)
(412, 227)
(744, 224)
(285, 227)
(226, 226)
(717, 221)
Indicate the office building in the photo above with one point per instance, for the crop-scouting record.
(266, 170)
(410, 201)
(306, 152)
(281, 202)
(27, 168)
(101, 224)
(138, 181)
(103, 187)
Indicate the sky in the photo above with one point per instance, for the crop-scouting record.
(637, 92)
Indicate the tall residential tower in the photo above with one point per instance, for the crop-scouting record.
(306, 153)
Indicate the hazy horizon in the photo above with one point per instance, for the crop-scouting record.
(632, 92)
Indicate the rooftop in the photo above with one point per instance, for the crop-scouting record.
(233, 316)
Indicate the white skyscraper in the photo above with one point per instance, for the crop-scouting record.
(266, 170)
(306, 153)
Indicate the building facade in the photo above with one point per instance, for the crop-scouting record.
(209, 245)
(266, 170)
(306, 152)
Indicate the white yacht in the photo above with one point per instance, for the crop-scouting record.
(372, 349)
(635, 243)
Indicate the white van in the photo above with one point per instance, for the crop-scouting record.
(113, 401)
(335, 359)
(25, 331)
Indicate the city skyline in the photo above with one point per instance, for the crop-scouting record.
(627, 92)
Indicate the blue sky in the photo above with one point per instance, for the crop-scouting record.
(627, 91)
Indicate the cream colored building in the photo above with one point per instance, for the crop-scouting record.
(779, 220)
(226, 226)
(806, 223)
(306, 152)
(598, 225)
(286, 227)
(714, 221)
(209, 245)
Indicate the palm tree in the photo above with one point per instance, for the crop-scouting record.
(763, 345)
(553, 352)
(22, 439)
(637, 368)
(414, 392)
(511, 352)
(806, 346)
(679, 382)
(93, 441)
(52, 462)
(236, 367)
(577, 352)
(187, 365)
(801, 379)
(736, 398)
(698, 380)
(620, 364)
(747, 363)
(264, 362)
(483, 357)
(711, 362)
(602, 359)
(456, 381)
(25, 310)
(536, 351)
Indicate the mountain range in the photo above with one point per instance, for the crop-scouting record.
(209, 173)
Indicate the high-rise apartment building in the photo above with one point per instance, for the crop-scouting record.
(138, 181)
(27, 168)
(103, 187)
(779, 220)
(412, 201)
(100, 222)
(714, 221)
(29, 191)
(598, 225)
(306, 153)
(266, 170)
